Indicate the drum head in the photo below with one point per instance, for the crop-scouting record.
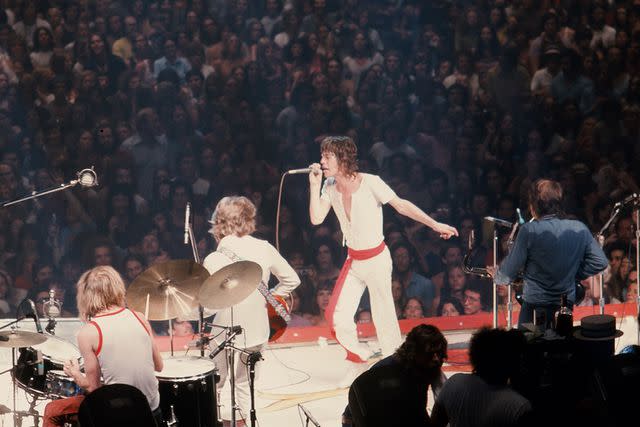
(58, 350)
(184, 368)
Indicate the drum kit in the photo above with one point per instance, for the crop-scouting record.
(175, 289)
(165, 291)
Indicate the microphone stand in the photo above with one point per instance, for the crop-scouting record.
(196, 257)
(495, 285)
(253, 359)
(35, 194)
(600, 238)
(227, 345)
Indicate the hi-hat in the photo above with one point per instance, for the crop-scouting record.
(13, 339)
(230, 285)
(167, 290)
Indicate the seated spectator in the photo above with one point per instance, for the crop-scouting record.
(413, 309)
(414, 285)
(475, 297)
(132, 266)
(397, 293)
(450, 307)
(325, 259)
(363, 316)
(484, 398)
(170, 60)
(6, 285)
(320, 303)
(297, 310)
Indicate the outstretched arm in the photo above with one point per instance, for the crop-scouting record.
(406, 208)
(318, 208)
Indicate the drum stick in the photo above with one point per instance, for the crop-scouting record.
(146, 308)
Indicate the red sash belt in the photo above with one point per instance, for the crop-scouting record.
(359, 255)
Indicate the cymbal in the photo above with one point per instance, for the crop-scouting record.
(14, 339)
(230, 285)
(169, 289)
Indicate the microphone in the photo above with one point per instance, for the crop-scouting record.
(233, 331)
(308, 415)
(632, 198)
(87, 178)
(520, 218)
(33, 314)
(187, 213)
(297, 171)
(218, 349)
(498, 221)
(52, 308)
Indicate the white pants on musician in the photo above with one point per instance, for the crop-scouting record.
(243, 396)
(374, 274)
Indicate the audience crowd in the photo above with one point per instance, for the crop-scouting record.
(458, 104)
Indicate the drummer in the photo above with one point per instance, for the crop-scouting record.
(233, 221)
(116, 343)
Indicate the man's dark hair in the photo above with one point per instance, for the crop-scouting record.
(545, 197)
(496, 367)
(421, 340)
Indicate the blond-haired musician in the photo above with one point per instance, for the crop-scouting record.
(116, 344)
(232, 223)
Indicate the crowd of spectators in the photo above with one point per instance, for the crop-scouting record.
(458, 105)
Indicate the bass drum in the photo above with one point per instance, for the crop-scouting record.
(36, 361)
(188, 391)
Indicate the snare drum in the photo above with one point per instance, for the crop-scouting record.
(31, 375)
(60, 385)
(188, 391)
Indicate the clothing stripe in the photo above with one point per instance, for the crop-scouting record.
(99, 337)
(353, 254)
(141, 322)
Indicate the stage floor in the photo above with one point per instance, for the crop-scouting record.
(311, 375)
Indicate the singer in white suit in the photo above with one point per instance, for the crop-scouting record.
(357, 200)
(233, 221)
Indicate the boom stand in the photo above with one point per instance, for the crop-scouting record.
(600, 239)
(495, 285)
(196, 258)
(253, 359)
(227, 345)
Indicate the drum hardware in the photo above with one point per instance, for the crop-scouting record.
(252, 358)
(52, 309)
(15, 339)
(497, 222)
(187, 392)
(617, 208)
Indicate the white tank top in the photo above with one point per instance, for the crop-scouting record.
(125, 353)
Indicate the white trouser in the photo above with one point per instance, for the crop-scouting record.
(243, 396)
(374, 274)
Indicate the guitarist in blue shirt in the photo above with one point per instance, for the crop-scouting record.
(553, 253)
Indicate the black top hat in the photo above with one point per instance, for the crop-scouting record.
(598, 327)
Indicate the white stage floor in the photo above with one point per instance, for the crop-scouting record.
(308, 374)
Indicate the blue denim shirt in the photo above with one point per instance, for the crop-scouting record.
(554, 254)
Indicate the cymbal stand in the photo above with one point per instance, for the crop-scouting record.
(495, 285)
(196, 257)
(600, 238)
